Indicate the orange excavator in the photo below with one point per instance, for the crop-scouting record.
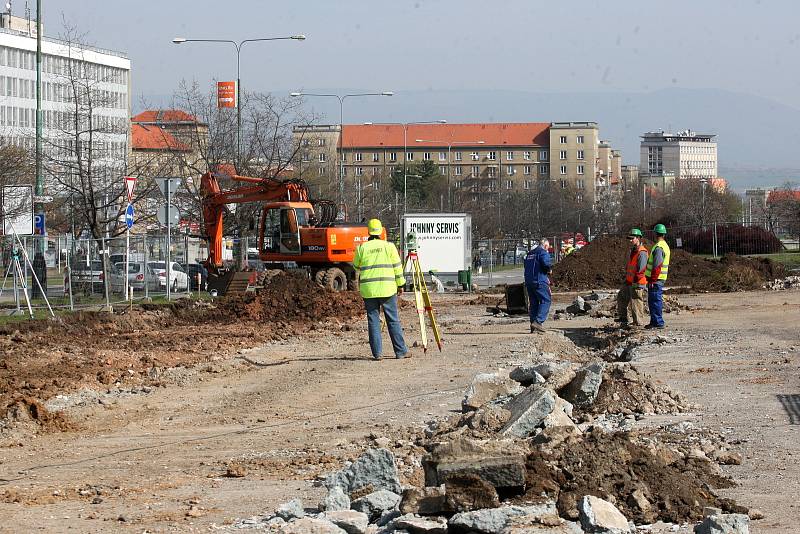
(289, 230)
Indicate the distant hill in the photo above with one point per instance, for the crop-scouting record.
(757, 137)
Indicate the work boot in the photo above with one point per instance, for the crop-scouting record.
(656, 326)
(537, 327)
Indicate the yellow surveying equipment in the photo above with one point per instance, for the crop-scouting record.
(421, 297)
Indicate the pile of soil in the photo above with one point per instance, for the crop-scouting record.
(601, 265)
(646, 483)
(627, 391)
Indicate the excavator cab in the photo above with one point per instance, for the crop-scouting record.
(281, 228)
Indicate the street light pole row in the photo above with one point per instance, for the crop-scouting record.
(238, 45)
(341, 99)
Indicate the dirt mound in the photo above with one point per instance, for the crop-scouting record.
(601, 265)
(626, 391)
(646, 483)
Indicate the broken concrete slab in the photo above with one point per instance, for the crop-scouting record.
(528, 410)
(528, 374)
(376, 503)
(424, 501)
(496, 520)
(485, 387)
(602, 517)
(724, 524)
(468, 492)
(561, 416)
(336, 499)
(499, 462)
(311, 525)
(350, 521)
(374, 470)
(419, 525)
(582, 390)
(291, 510)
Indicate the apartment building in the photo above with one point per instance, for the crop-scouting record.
(167, 142)
(103, 73)
(666, 157)
(477, 159)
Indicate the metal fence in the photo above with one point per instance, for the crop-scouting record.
(718, 239)
(83, 273)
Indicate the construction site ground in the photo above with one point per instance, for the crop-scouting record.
(231, 424)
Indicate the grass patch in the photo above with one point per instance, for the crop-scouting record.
(790, 260)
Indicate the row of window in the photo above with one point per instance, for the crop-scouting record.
(62, 120)
(75, 68)
(578, 139)
(57, 92)
(698, 149)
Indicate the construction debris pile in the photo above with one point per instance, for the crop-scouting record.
(601, 264)
(551, 446)
(604, 305)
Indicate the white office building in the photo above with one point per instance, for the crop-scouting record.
(102, 78)
(684, 154)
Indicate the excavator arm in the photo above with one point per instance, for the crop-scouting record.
(214, 200)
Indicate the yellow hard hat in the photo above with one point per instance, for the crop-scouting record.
(374, 227)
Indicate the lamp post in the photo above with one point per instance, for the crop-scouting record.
(449, 147)
(405, 126)
(341, 99)
(703, 182)
(238, 45)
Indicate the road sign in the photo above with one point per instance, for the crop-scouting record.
(226, 94)
(42, 199)
(168, 212)
(130, 183)
(129, 216)
(174, 184)
(39, 224)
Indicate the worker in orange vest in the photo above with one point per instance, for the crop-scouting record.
(633, 293)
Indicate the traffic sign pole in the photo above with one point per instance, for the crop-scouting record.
(169, 231)
(128, 225)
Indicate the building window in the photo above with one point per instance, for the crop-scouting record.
(491, 172)
(492, 155)
(580, 169)
(563, 139)
(376, 157)
(359, 171)
(476, 171)
(474, 156)
(320, 142)
(543, 170)
(563, 154)
(526, 170)
(321, 171)
(509, 184)
(528, 184)
(322, 157)
(392, 156)
(457, 156)
(580, 139)
(492, 185)
(526, 155)
(409, 156)
(510, 170)
(306, 156)
(442, 156)
(343, 172)
(442, 169)
(563, 169)
(509, 156)
(306, 142)
(375, 171)
(359, 156)
(458, 184)
(563, 184)
(544, 155)
(579, 197)
(426, 156)
(579, 184)
(580, 154)
(457, 170)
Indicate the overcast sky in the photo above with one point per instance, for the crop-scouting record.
(749, 46)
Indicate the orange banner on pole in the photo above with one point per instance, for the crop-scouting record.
(226, 94)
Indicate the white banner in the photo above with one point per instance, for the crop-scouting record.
(17, 209)
(443, 240)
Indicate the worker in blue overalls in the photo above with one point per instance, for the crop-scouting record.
(537, 283)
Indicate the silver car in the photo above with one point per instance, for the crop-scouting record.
(138, 275)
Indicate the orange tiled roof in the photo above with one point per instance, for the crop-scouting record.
(779, 195)
(164, 115)
(492, 134)
(154, 138)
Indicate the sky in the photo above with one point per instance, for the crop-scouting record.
(747, 46)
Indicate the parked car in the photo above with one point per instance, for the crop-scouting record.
(194, 269)
(86, 278)
(178, 280)
(138, 275)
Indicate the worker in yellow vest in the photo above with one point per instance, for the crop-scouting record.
(656, 275)
(381, 279)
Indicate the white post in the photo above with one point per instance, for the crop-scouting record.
(169, 244)
(127, 259)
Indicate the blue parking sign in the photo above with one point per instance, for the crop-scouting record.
(129, 216)
(39, 225)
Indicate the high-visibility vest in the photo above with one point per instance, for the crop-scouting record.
(632, 276)
(662, 276)
(379, 268)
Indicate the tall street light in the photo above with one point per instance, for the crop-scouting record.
(341, 99)
(449, 163)
(703, 182)
(238, 45)
(405, 126)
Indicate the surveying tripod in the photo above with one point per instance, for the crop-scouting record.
(20, 279)
(422, 298)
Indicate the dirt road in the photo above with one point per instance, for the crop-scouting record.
(237, 434)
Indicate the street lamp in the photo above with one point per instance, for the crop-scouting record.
(405, 126)
(703, 182)
(341, 99)
(238, 45)
(449, 163)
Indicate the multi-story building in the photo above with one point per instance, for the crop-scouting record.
(666, 157)
(167, 142)
(477, 159)
(629, 176)
(70, 72)
(609, 168)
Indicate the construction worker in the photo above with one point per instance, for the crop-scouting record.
(537, 266)
(656, 275)
(633, 293)
(381, 279)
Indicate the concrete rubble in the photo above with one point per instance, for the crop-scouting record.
(374, 470)
(602, 517)
(724, 524)
(486, 387)
(583, 389)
